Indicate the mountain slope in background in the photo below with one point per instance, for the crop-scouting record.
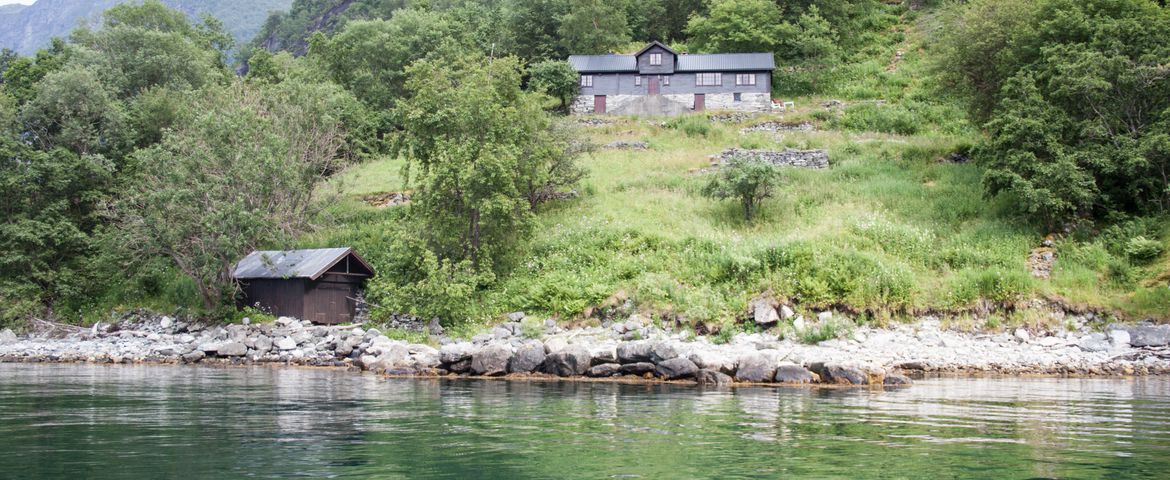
(27, 28)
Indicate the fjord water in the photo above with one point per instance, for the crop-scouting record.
(98, 422)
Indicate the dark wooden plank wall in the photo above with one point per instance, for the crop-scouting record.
(284, 298)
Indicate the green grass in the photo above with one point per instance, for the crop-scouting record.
(891, 229)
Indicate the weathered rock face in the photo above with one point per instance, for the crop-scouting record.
(605, 370)
(635, 352)
(764, 313)
(896, 380)
(491, 360)
(676, 368)
(712, 377)
(639, 368)
(755, 367)
(455, 353)
(527, 358)
(709, 360)
(6, 336)
(232, 349)
(841, 374)
(816, 159)
(572, 361)
(1149, 335)
(794, 374)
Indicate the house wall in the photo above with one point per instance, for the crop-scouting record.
(329, 300)
(668, 62)
(620, 89)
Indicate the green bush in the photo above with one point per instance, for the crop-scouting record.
(692, 125)
(996, 284)
(1143, 250)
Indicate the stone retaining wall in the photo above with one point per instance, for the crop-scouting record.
(817, 159)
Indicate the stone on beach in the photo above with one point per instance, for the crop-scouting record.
(491, 360)
(527, 358)
(574, 360)
(712, 377)
(794, 374)
(676, 368)
(755, 368)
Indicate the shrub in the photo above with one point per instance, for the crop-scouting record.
(995, 284)
(692, 125)
(748, 180)
(1143, 250)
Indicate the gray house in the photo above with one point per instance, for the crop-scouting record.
(726, 81)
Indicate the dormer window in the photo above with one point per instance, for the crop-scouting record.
(655, 59)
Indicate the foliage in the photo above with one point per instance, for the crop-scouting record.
(480, 149)
(556, 78)
(739, 26)
(594, 26)
(143, 46)
(748, 180)
(1143, 250)
(241, 171)
(49, 202)
(72, 109)
(1077, 108)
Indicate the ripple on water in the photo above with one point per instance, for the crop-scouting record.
(57, 421)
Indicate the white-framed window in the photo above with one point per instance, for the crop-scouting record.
(708, 79)
(666, 80)
(655, 59)
(586, 80)
(637, 80)
(745, 79)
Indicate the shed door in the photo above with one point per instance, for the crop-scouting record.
(700, 102)
(599, 104)
(653, 82)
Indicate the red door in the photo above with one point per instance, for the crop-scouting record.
(599, 104)
(700, 102)
(653, 84)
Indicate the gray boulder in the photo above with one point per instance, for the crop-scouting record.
(434, 327)
(755, 368)
(840, 374)
(527, 358)
(232, 349)
(639, 368)
(676, 368)
(896, 380)
(712, 377)
(7, 336)
(663, 351)
(455, 353)
(491, 360)
(572, 361)
(1119, 339)
(194, 357)
(764, 313)
(1096, 342)
(516, 316)
(462, 366)
(605, 370)
(708, 360)
(794, 374)
(635, 352)
(285, 343)
(1149, 335)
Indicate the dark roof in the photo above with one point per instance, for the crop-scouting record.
(604, 63)
(726, 62)
(716, 62)
(651, 44)
(283, 264)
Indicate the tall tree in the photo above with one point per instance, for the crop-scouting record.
(594, 26)
(241, 171)
(740, 26)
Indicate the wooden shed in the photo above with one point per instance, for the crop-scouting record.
(319, 285)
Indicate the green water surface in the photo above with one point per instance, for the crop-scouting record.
(108, 422)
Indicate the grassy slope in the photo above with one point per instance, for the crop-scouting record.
(891, 228)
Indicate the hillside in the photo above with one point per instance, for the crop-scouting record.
(29, 28)
(898, 226)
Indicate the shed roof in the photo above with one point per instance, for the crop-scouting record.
(283, 264)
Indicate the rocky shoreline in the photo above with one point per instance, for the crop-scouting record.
(633, 350)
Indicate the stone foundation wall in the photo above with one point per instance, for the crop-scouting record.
(749, 102)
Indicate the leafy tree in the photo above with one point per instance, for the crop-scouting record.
(72, 109)
(49, 202)
(143, 46)
(23, 73)
(370, 57)
(533, 26)
(556, 78)
(474, 141)
(242, 171)
(740, 26)
(594, 26)
(748, 180)
(1078, 105)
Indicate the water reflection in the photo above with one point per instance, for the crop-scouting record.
(170, 422)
